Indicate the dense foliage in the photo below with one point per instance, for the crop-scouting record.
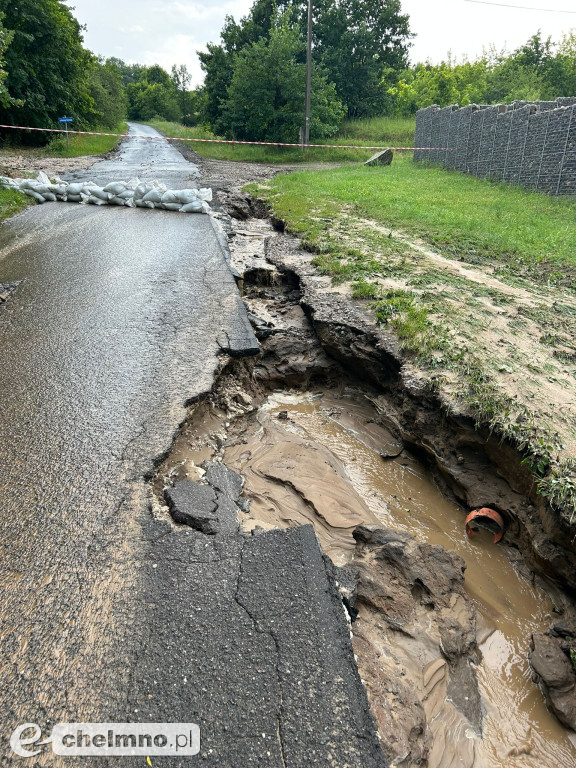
(46, 73)
(356, 43)
(537, 70)
(265, 97)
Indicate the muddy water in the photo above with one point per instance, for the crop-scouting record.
(323, 464)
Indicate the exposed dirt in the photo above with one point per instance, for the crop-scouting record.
(29, 163)
(230, 175)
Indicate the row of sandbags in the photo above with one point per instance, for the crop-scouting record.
(133, 193)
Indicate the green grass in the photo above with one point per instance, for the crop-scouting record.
(377, 132)
(12, 202)
(84, 145)
(397, 131)
(468, 218)
(79, 145)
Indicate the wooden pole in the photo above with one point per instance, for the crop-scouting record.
(308, 75)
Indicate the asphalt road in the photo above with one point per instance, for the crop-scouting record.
(108, 615)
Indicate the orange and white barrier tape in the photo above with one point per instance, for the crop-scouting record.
(222, 141)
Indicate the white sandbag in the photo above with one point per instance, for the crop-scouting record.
(187, 196)
(38, 197)
(117, 200)
(153, 196)
(96, 201)
(115, 187)
(140, 191)
(98, 192)
(40, 188)
(170, 197)
(50, 197)
(128, 194)
(42, 178)
(75, 188)
(132, 183)
(144, 204)
(205, 194)
(194, 207)
(171, 206)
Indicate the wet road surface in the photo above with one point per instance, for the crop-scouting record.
(108, 614)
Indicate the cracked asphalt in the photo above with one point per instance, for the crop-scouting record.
(108, 614)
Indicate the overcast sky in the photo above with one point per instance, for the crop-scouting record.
(170, 32)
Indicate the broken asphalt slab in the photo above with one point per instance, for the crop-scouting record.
(261, 659)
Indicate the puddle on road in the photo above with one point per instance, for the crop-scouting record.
(306, 468)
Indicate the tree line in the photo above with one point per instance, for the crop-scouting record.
(539, 70)
(46, 73)
(255, 76)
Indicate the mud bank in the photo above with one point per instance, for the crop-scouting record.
(444, 658)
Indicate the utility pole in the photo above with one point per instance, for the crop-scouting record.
(308, 75)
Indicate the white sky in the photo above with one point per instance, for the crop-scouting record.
(170, 32)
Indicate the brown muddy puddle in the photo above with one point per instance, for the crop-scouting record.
(317, 457)
(322, 465)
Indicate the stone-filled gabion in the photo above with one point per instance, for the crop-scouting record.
(528, 143)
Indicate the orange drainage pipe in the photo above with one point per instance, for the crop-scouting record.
(491, 514)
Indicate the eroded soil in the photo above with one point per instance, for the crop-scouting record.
(444, 658)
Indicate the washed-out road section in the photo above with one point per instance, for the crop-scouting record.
(109, 614)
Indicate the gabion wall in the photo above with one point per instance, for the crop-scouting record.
(528, 143)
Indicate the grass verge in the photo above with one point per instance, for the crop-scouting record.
(478, 281)
(12, 202)
(79, 145)
(378, 131)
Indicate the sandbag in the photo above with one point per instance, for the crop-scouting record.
(153, 196)
(140, 191)
(170, 197)
(36, 195)
(205, 194)
(130, 193)
(98, 192)
(195, 207)
(187, 196)
(115, 187)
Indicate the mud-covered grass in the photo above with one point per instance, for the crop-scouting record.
(476, 279)
(377, 132)
(12, 202)
(80, 146)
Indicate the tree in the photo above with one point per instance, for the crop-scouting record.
(153, 94)
(358, 41)
(355, 41)
(46, 63)
(5, 39)
(266, 96)
(187, 99)
(218, 60)
(108, 93)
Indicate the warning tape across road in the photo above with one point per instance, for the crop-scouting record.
(221, 141)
